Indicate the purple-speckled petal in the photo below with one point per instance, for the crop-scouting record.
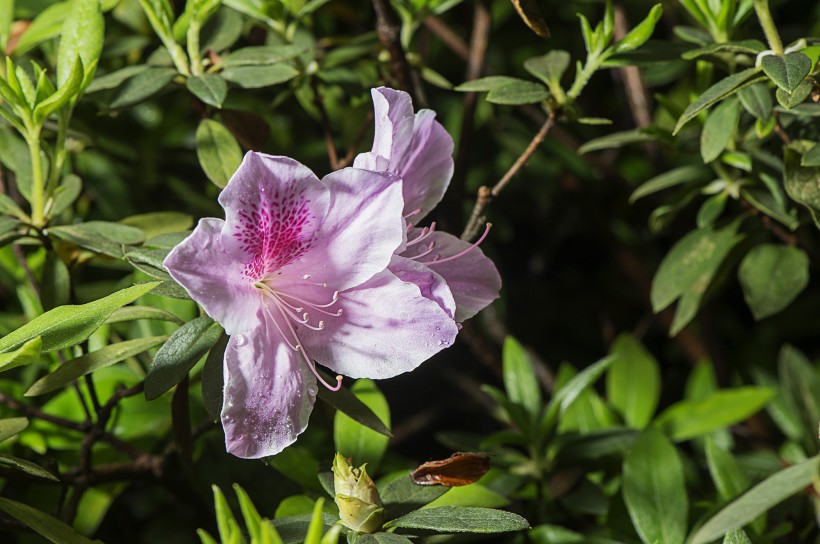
(387, 327)
(269, 392)
(273, 208)
(357, 238)
(213, 277)
(472, 277)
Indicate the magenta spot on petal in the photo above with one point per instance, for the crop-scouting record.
(274, 232)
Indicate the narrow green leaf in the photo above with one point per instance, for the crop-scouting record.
(116, 78)
(357, 441)
(132, 313)
(45, 26)
(12, 426)
(403, 495)
(255, 77)
(757, 100)
(68, 325)
(488, 83)
(617, 140)
(641, 33)
(210, 88)
(41, 523)
(225, 520)
(155, 224)
(348, 403)
(786, 71)
(801, 387)
(249, 513)
(736, 537)
(65, 195)
(261, 55)
(143, 86)
(316, 527)
(568, 394)
(719, 129)
(184, 348)
(10, 207)
(461, 519)
(720, 90)
(688, 419)
(26, 466)
(6, 18)
(68, 90)
(745, 47)
(383, 538)
(772, 276)
(549, 68)
(654, 490)
(730, 481)
(514, 94)
(218, 151)
(757, 501)
(531, 14)
(90, 362)
(56, 283)
(633, 381)
(27, 353)
(81, 36)
(520, 380)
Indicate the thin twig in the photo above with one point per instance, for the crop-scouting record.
(452, 40)
(634, 85)
(485, 195)
(32, 412)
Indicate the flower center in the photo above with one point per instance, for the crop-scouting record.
(285, 309)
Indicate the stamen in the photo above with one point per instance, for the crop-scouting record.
(297, 347)
(411, 214)
(425, 233)
(438, 260)
(430, 248)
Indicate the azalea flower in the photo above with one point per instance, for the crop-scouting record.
(419, 150)
(297, 274)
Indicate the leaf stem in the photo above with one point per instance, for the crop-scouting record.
(38, 182)
(769, 28)
(193, 48)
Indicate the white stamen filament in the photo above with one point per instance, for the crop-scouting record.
(439, 260)
(425, 233)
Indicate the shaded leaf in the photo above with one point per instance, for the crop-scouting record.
(520, 380)
(218, 151)
(210, 88)
(720, 90)
(772, 276)
(28, 467)
(254, 77)
(461, 519)
(25, 354)
(12, 426)
(801, 181)
(356, 441)
(517, 93)
(719, 129)
(633, 382)
(142, 86)
(51, 528)
(786, 71)
(530, 13)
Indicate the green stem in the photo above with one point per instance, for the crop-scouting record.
(193, 49)
(38, 182)
(582, 78)
(766, 21)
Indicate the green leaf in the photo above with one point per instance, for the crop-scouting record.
(213, 378)
(687, 271)
(99, 236)
(801, 388)
(261, 55)
(641, 33)
(730, 481)
(69, 325)
(41, 523)
(461, 519)
(132, 313)
(354, 440)
(811, 157)
(772, 276)
(549, 68)
(717, 92)
(154, 224)
(473, 494)
(531, 14)
(27, 466)
(143, 86)
(348, 403)
(65, 195)
(520, 380)
(218, 151)
(225, 520)
(27, 353)
(6, 18)
(488, 83)
(710, 210)
(719, 129)
(654, 490)
(81, 36)
(9, 207)
(179, 354)
(12, 426)
(568, 394)
(210, 88)
(90, 362)
(255, 77)
(690, 418)
(56, 283)
(618, 139)
(68, 90)
(758, 500)
(797, 96)
(517, 93)
(744, 47)
(403, 495)
(633, 382)
(45, 26)
(116, 78)
(383, 538)
(757, 100)
(786, 71)
(800, 181)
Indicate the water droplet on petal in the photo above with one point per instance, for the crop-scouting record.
(241, 340)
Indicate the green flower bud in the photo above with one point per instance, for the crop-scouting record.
(356, 496)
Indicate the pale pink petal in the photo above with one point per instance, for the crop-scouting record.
(427, 166)
(273, 208)
(472, 277)
(393, 123)
(430, 283)
(387, 327)
(357, 238)
(214, 278)
(269, 392)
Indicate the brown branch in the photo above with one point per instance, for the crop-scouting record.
(388, 28)
(634, 86)
(33, 412)
(452, 40)
(485, 196)
(778, 231)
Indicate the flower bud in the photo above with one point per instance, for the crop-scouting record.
(356, 496)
